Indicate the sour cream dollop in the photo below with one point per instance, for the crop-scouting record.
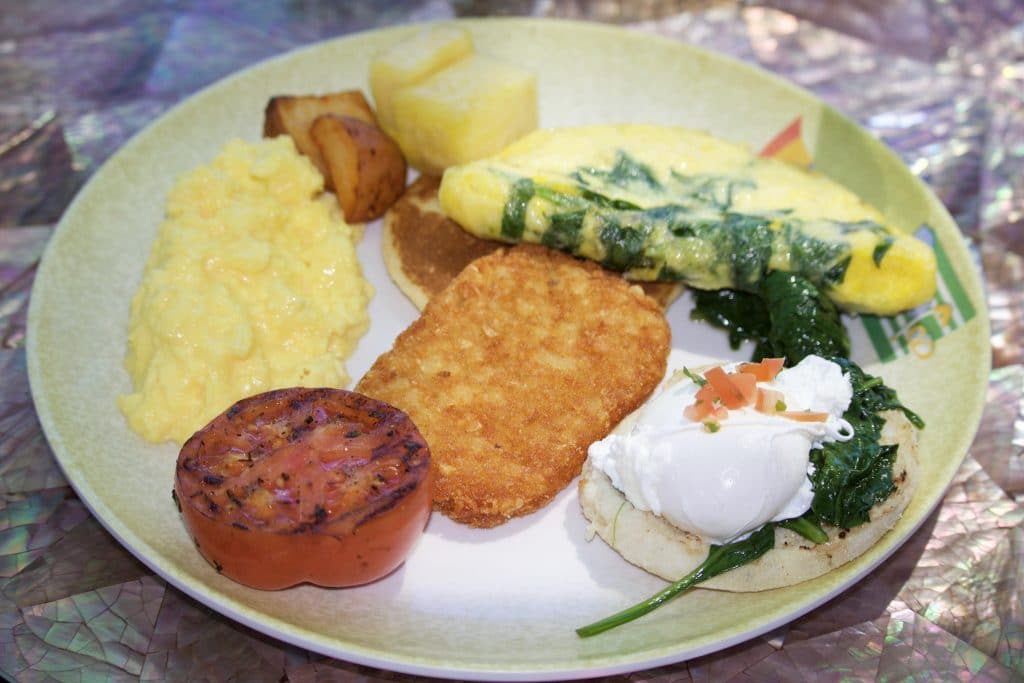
(725, 484)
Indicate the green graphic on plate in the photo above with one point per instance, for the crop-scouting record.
(916, 331)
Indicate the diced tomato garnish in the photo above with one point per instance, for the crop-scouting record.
(774, 365)
(769, 401)
(730, 396)
(765, 371)
(746, 384)
(754, 369)
(804, 416)
(729, 391)
(707, 394)
(697, 411)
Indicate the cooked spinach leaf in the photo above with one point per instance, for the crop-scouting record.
(513, 220)
(850, 477)
(837, 273)
(803, 320)
(807, 526)
(746, 244)
(785, 317)
(565, 232)
(627, 172)
(742, 314)
(623, 243)
(720, 559)
(815, 259)
(870, 395)
(879, 251)
(708, 189)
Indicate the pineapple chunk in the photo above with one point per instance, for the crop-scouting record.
(411, 62)
(470, 110)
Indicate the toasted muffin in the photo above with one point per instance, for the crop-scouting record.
(652, 543)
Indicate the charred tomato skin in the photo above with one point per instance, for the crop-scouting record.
(321, 486)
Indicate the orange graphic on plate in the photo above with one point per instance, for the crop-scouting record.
(789, 146)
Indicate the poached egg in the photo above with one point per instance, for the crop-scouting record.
(752, 469)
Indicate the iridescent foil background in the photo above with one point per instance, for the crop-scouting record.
(940, 81)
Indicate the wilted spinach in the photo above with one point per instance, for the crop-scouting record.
(789, 317)
(720, 559)
(786, 317)
(850, 477)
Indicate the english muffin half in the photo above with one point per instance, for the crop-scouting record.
(652, 543)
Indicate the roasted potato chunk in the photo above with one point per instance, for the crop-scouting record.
(293, 116)
(366, 167)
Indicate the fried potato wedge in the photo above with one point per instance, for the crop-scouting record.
(365, 166)
(293, 115)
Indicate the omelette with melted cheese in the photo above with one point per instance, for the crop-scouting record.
(670, 204)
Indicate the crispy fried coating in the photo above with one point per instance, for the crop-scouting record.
(514, 369)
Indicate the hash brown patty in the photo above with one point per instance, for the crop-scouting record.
(514, 369)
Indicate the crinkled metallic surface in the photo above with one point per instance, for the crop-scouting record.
(941, 82)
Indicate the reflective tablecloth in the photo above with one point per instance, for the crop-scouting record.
(940, 81)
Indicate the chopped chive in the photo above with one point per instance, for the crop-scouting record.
(696, 379)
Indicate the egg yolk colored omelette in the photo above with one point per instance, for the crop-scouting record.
(666, 203)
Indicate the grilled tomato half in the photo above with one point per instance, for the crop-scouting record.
(324, 486)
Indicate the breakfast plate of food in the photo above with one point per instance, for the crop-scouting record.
(508, 349)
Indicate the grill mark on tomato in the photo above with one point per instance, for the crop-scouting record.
(261, 438)
(396, 497)
(382, 450)
(413, 455)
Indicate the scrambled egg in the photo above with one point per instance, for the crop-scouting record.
(252, 285)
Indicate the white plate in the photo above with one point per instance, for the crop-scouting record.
(490, 604)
